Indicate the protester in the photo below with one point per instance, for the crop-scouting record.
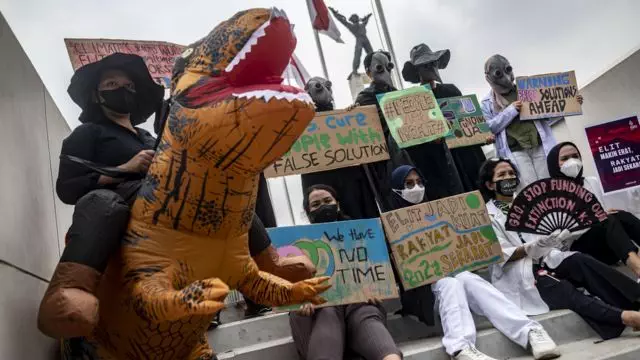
(460, 295)
(524, 142)
(378, 66)
(345, 331)
(609, 241)
(115, 94)
(458, 168)
(359, 201)
(559, 273)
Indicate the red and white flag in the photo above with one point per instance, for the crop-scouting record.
(322, 20)
(295, 73)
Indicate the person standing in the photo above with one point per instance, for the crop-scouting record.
(423, 68)
(525, 142)
(358, 199)
(378, 67)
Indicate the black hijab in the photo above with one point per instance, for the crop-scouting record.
(554, 168)
(398, 177)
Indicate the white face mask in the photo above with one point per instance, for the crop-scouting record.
(571, 168)
(414, 195)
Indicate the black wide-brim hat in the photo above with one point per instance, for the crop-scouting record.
(85, 80)
(420, 55)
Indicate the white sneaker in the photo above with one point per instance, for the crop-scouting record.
(542, 346)
(471, 353)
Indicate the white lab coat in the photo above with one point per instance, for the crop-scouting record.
(515, 279)
(498, 123)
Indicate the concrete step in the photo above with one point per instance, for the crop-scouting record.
(626, 347)
(564, 326)
(229, 336)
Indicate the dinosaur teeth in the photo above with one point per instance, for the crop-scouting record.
(260, 32)
(267, 95)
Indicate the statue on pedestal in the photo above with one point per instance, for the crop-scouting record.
(358, 27)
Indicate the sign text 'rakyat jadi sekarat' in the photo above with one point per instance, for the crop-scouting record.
(441, 238)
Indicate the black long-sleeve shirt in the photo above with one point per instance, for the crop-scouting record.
(105, 143)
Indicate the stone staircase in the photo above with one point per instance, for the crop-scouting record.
(269, 337)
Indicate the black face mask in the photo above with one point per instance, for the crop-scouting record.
(324, 214)
(119, 100)
(507, 187)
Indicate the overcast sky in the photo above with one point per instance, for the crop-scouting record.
(541, 36)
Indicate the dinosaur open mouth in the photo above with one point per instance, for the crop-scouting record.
(256, 71)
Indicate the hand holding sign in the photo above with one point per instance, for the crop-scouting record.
(548, 95)
(351, 255)
(548, 205)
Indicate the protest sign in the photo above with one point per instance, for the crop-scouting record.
(548, 205)
(548, 95)
(616, 150)
(158, 55)
(468, 126)
(334, 139)
(441, 238)
(353, 253)
(413, 116)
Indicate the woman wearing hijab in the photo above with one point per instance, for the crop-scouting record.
(539, 277)
(355, 331)
(101, 165)
(464, 293)
(525, 143)
(609, 241)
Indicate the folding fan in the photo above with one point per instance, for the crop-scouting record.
(551, 204)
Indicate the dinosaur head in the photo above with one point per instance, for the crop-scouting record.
(247, 53)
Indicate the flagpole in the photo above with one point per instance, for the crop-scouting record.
(318, 44)
(385, 31)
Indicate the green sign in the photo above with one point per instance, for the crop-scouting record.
(413, 116)
(468, 126)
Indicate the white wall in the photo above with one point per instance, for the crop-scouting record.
(613, 95)
(32, 220)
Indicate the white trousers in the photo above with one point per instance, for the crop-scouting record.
(532, 165)
(458, 296)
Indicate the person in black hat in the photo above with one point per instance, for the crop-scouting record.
(115, 94)
(424, 68)
(434, 158)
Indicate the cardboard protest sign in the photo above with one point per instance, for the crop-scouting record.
(352, 253)
(334, 139)
(616, 150)
(554, 204)
(158, 55)
(413, 116)
(441, 238)
(548, 95)
(467, 123)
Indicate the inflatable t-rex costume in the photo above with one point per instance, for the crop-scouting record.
(187, 237)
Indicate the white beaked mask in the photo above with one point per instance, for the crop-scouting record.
(571, 168)
(415, 195)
